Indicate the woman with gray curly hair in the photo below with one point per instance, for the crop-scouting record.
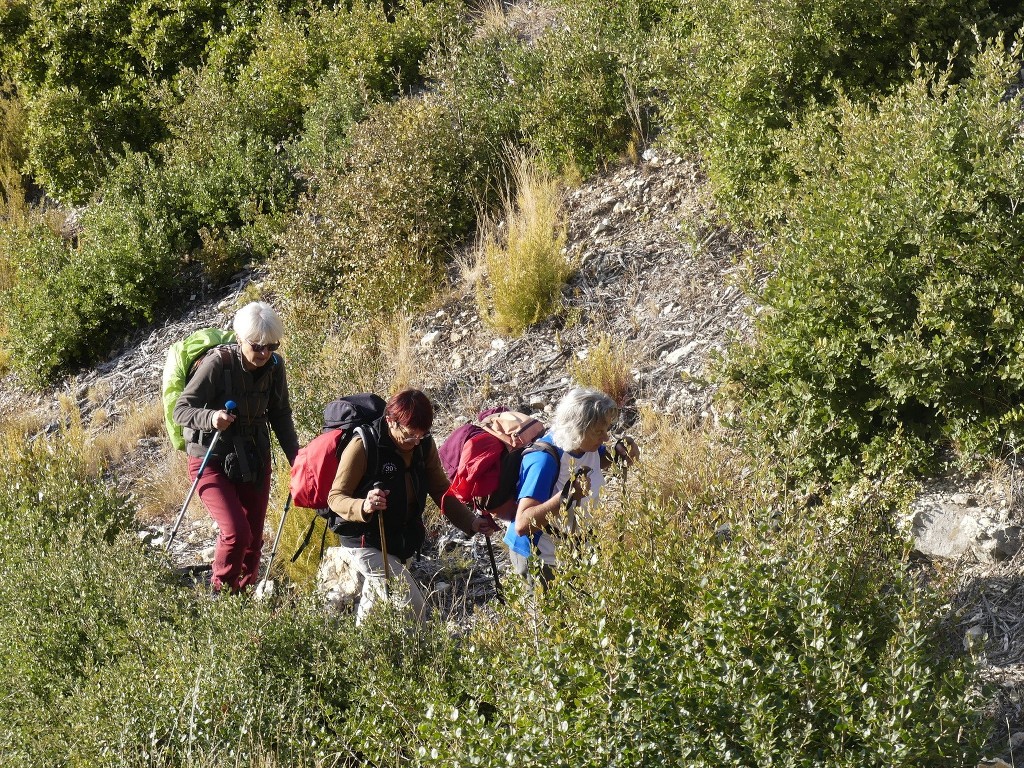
(563, 469)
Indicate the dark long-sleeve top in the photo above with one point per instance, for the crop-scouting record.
(261, 395)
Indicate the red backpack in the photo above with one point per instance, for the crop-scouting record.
(486, 472)
(317, 463)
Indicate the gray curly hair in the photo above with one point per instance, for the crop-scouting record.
(577, 412)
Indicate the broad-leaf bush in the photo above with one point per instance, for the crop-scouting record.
(106, 662)
(734, 73)
(71, 300)
(367, 59)
(89, 73)
(471, 77)
(216, 181)
(12, 149)
(800, 639)
(572, 92)
(896, 310)
(371, 239)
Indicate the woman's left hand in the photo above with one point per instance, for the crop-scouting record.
(626, 451)
(484, 524)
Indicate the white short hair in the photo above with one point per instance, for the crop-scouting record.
(258, 323)
(577, 412)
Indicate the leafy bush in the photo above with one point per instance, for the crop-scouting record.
(567, 83)
(108, 663)
(526, 264)
(368, 59)
(573, 94)
(371, 240)
(12, 149)
(70, 302)
(895, 313)
(801, 640)
(472, 78)
(90, 72)
(735, 73)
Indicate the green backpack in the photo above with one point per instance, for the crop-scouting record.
(182, 359)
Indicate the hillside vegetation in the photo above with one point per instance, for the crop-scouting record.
(350, 154)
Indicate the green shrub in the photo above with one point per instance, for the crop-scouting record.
(894, 315)
(581, 94)
(472, 78)
(90, 72)
(735, 73)
(62, 136)
(370, 241)
(71, 302)
(108, 663)
(798, 643)
(567, 83)
(573, 96)
(367, 59)
(12, 150)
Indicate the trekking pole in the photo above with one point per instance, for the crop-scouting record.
(262, 586)
(494, 566)
(378, 486)
(230, 407)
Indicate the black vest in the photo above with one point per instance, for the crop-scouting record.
(403, 522)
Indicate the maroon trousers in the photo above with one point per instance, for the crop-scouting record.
(240, 509)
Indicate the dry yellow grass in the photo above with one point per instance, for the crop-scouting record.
(607, 367)
(375, 358)
(106, 440)
(162, 490)
(111, 445)
(524, 259)
(303, 571)
(694, 463)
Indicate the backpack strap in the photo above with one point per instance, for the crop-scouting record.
(370, 438)
(551, 450)
(309, 535)
(227, 359)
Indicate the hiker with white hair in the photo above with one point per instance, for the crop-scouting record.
(560, 478)
(234, 485)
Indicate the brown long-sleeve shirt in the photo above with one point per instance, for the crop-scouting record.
(352, 469)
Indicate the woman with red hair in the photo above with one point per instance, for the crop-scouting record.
(407, 469)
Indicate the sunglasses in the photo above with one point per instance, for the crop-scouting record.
(409, 436)
(259, 349)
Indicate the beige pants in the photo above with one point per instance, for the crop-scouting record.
(405, 592)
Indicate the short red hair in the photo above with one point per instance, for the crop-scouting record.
(411, 409)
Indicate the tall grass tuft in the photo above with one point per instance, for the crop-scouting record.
(606, 367)
(525, 264)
